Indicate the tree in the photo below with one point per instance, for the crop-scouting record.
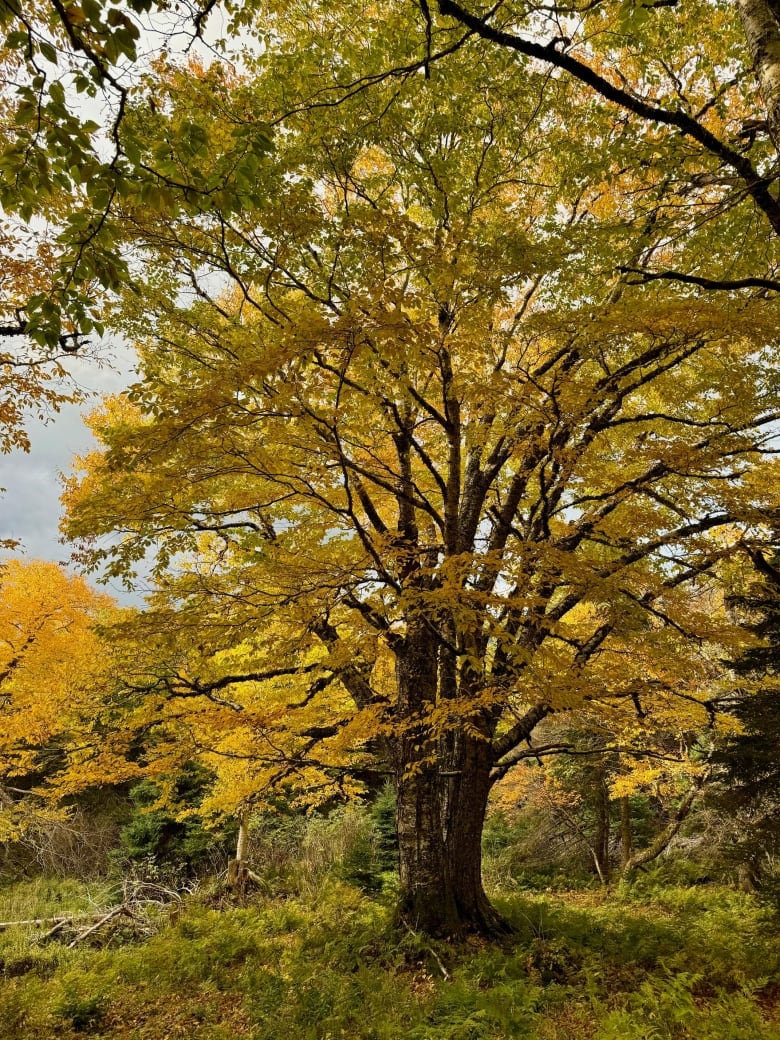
(51, 676)
(694, 111)
(31, 381)
(747, 760)
(62, 62)
(68, 165)
(591, 787)
(420, 446)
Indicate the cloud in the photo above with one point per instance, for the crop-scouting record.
(30, 507)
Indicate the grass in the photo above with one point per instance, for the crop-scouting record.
(328, 963)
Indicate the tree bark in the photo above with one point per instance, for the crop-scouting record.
(466, 806)
(761, 24)
(238, 872)
(442, 784)
(440, 816)
(602, 837)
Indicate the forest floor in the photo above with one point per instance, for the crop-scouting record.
(327, 962)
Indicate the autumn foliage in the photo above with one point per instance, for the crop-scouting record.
(52, 678)
(426, 469)
(443, 437)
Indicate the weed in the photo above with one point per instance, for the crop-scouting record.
(85, 1014)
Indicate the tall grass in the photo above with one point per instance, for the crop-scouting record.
(315, 957)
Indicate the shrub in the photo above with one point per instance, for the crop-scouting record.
(175, 835)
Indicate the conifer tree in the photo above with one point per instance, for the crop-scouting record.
(750, 759)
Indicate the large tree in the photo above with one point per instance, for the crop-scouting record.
(420, 432)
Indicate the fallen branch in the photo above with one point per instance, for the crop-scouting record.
(429, 949)
(58, 922)
(114, 912)
(663, 840)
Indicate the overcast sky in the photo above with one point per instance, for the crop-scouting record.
(30, 507)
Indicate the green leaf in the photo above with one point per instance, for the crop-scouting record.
(48, 52)
(16, 39)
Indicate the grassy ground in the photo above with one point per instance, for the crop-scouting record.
(328, 963)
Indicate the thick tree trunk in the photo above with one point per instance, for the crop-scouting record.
(427, 898)
(440, 816)
(465, 806)
(442, 784)
(761, 24)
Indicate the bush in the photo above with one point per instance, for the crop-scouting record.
(175, 836)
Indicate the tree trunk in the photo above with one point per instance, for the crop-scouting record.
(238, 872)
(761, 24)
(427, 901)
(442, 785)
(602, 838)
(440, 815)
(626, 832)
(465, 806)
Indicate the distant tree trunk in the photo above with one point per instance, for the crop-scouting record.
(626, 832)
(238, 872)
(747, 877)
(603, 830)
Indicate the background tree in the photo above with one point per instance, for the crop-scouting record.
(747, 760)
(70, 71)
(52, 676)
(68, 165)
(608, 792)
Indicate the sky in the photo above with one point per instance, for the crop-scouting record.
(30, 509)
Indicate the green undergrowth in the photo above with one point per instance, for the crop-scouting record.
(319, 965)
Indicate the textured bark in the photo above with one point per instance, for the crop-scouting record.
(440, 820)
(427, 897)
(761, 24)
(466, 805)
(442, 786)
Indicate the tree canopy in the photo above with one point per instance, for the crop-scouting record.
(691, 92)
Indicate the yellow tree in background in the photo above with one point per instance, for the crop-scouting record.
(53, 674)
